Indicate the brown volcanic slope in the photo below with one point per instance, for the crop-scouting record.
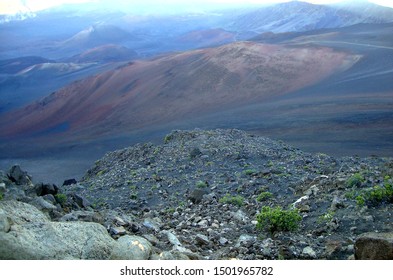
(174, 87)
(105, 53)
(207, 37)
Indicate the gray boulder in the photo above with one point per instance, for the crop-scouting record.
(33, 236)
(374, 246)
(42, 204)
(56, 240)
(131, 248)
(21, 213)
(5, 222)
(2, 188)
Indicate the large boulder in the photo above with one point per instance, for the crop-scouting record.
(374, 246)
(132, 248)
(33, 236)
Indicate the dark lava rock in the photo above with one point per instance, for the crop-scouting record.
(196, 195)
(69, 182)
(81, 201)
(18, 176)
(44, 189)
(374, 246)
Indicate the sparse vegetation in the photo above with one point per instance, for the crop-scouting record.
(360, 200)
(355, 180)
(61, 198)
(201, 184)
(235, 200)
(276, 219)
(170, 210)
(373, 196)
(249, 172)
(133, 195)
(167, 138)
(326, 218)
(263, 196)
(99, 173)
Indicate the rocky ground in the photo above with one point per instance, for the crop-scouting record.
(200, 195)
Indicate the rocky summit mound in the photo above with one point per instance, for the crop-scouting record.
(217, 194)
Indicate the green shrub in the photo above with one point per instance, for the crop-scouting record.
(277, 219)
(355, 180)
(375, 195)
(360, 200)
(168, 138)
(249, 172)
(201, 184)
(61, 198)
(264, 196)
(134, 195)
(235, 200)
(389, 192)
(1, 196)
(351, 194)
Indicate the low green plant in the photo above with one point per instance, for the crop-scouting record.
(376, 195)
(61, 198)
(167, 138)
(351, 194)
(201, 184)
(355, 180)
(360, 200)
(276, 219)
(1, 196)
(264, 196)
(99, 173)
(235, 200)
(326, 218)
(170, 210)
(134, 195)
(249, 172)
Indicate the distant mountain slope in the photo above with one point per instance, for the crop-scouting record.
(206, 37)
(372, 12)
(97, 35)
(175, 87)
(14, 65)
(362, 33)
(35, 80)
(302, 16)
(105, 53)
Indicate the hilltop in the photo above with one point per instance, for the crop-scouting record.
(200, 195)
